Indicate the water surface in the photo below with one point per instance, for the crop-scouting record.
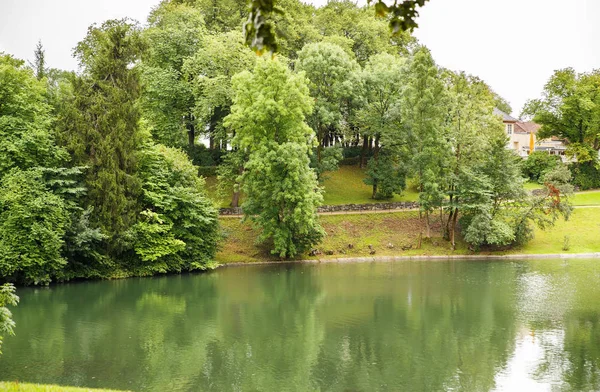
(418, 326)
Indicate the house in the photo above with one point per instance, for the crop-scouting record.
(523, 136)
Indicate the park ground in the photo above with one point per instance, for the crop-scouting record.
(397, 233)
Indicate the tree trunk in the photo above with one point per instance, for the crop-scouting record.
(235, 200)
(376, 158)
(363, 153)
(453, 230)
(428, 226)
(191, 134)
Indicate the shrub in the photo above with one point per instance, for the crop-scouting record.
(585, 175)
(33, 222)
(538, 163)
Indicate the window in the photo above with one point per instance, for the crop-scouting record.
(509, 129)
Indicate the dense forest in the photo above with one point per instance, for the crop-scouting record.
(102, 169)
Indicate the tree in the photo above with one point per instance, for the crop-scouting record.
(39, 62)
(101, 128)
(174, 34)
(209, 72)
(570, 109)
(329, 70)
(33, 222)
(178, 228)
(7, 298)
(471, 124)
(25, 121)
(538, 163)
(259, 29)
(345, 23)
(381, 120)
(426, 110)
(268, 118)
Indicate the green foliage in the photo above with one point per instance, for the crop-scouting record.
(329, 70)
(174, 34)
(7, 298)
(330, 160)
(389, 173)
(268, 118)
(282, 198)
(101, 126)
(25, 140)
(585, 175)
(33, 223)
(570, 109)
(538, 163)
(178, 227)
(209, 72)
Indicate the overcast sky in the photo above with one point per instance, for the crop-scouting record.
(514, 45)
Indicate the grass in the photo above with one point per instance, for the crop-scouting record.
(397, 234)
(24, 387)
(587, 198)
(531, 185)
(344, 186)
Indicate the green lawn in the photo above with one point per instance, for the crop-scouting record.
(397, 234)
(24, 387)
(587, 198)
(344, 186)
(530, 185)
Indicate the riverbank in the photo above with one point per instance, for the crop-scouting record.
(396, 234)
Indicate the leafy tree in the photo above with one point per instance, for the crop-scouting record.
(25, 122)
(502, 103)
(328, 69)
(570, 109)
(39, 63)
(33, 222)
(101, 127)
(538, 163)
(359, 28)
(259, 29)
(220, 15)
(175, 33)
(178, 228)
(7, 298)
(471, 123)
(209, 71)
(268, 117)
(426, 110)
(380, 119)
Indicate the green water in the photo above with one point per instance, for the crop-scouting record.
(404, 326)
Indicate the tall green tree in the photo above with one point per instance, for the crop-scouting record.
(329, 70)
(282, 193)
(380, 119)
(471, 124)
(175, 32)
(570, 109)
(39, 61)
(101, 129)
(209, 72)
(25, 120)
(426, 111)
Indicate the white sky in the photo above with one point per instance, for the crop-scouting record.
(514, 45)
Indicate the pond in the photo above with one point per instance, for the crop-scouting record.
(418, 326)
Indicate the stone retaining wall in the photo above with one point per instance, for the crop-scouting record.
(400, 205)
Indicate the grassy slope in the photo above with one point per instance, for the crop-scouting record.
(344, 186)
(23, 387)
(401, 229)
(587, 198)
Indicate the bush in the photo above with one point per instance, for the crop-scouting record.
(33, 222)
(207, 171)
(585, 175)
(200, 155)
(178, 228)
(538, 163)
